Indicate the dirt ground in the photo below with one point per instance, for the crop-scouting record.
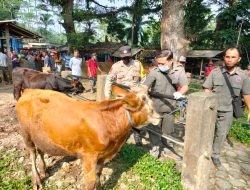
(9, 136)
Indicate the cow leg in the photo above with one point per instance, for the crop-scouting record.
(89, 170)
(99, 169)
(48, 86)
(42, 166)
(36, 181)
(17, 91)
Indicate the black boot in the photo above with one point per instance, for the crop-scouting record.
(216, 162)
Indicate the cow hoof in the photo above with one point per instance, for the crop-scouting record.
(42, 175)
(36, 187)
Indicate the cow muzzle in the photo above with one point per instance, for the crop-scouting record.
(155, 118)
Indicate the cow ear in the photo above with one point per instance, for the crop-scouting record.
(119, 92)
(132, 102)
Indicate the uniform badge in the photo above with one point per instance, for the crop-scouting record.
(238, 79)
(110, 70)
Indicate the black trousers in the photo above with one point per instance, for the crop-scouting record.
(165, 127)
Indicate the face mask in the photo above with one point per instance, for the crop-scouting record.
(164, 68)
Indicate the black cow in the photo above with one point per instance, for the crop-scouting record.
(27, 78)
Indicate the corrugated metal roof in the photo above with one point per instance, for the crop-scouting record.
(203, 53)
(16, 30)
(6, 21)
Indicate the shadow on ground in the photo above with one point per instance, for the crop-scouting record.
(125, 159)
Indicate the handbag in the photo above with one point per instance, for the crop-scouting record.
(237, 100)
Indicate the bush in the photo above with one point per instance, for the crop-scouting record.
(240, 131)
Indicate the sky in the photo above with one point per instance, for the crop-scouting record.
(116, 3)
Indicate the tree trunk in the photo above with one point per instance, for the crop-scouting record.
(67, 14)
(220, 25)
(172, 27)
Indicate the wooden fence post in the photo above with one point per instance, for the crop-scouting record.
(199, 134)
(46, 69)
(64, 74)
(100, 84)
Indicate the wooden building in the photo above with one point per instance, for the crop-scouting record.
(9, 31)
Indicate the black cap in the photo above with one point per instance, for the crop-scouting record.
(125, 51)
(93, 54)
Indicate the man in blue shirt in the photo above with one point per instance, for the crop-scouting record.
(67, 58)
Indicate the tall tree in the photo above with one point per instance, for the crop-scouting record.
(66, 7)
(197, 17)
(226, 30)
(136, 11)
(9, 9)
(153, 33)
(46, 20)
(172, 27)
(115, 28)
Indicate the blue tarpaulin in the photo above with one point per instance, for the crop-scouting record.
(15, 44)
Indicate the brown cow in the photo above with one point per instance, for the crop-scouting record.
(27, 78)
(54, 123)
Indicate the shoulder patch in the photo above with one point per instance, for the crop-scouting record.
(238, 79)
(110, 70)
(137, 63)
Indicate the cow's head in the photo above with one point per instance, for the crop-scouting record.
(66, 85)
(78, 87)
(140, 106)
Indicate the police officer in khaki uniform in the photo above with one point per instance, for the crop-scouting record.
(127, 72)
(216, 83)
(164, 79)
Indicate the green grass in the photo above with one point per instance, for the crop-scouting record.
(240, 131)
(144, 171)
(133, 167)
(12, 173)
(194, 88)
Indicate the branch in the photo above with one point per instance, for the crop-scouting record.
(154, 10)
(95, 2)
(81, 15)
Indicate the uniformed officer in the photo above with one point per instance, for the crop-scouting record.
(216, 83)
(181, 61)
(127, 72)
(164, 79)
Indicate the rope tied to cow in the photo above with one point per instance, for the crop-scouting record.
(81, 77)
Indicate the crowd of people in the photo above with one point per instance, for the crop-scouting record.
(25, 58)
(54, 62)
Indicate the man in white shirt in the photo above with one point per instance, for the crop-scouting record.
(4, 67)
(75, 64)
